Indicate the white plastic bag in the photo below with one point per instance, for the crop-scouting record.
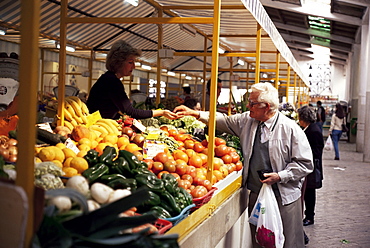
(329, 144)
(266, 216)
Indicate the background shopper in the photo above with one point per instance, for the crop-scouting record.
(335, 129)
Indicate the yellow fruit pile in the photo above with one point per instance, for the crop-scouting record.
(75, 112)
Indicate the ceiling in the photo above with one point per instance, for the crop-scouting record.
(237, 31)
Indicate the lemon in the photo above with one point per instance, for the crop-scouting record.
(58, 163)
(69, 153)
(60, 145)
(80, 164)
(46, 154)
(59, 154)
(67, 162)
(69, 171)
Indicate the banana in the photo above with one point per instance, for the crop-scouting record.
(85, 110)
(74, 123)
(99, 128)
(68, 124)
(70, 109)
(105, 125)
(95, 131)
(67, 115)
(76, 99)
(79, 120)
(84, 119)
(115, 123)
(75, 106)
(110, 124)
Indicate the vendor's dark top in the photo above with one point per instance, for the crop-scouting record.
(109, 97)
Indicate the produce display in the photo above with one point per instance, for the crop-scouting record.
(109, 160)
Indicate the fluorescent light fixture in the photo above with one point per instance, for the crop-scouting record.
(171, 73)
(164, 70)
(188, 78)
(240, 62)
(202, 80)
(68, 47)
(146, 67)
(3, 31)
(221, 50)
(264, 75)
(183, 75)
(134, 3)
(137, 64)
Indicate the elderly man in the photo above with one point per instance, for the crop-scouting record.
(270, 141)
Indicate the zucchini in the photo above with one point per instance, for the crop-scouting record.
(13, 134)
(49, 138)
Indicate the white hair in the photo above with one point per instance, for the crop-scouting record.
(267, 94)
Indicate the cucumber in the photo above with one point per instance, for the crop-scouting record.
(49, 138)
(13, 134)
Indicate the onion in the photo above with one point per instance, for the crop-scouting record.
(13, 150)
(12, 158)
(12, 142)
(78, 183)
(63, 203)
(100, 192)
(4, 153)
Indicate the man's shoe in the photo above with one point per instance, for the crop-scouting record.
(306, 239)
(307, 222)
(336, 158)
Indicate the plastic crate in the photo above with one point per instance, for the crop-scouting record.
(184, 213)
(163, 225)
(200, 201)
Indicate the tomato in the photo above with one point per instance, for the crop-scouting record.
(205, 151)
(139, 155)
(164, 128)
(221, 150)
(227, 159)
(169, 166)
(198, 180)
(149, 162)
(180, 169)
(191, 171)
(239, 165)
(218, 174)
(224, 171)
(204, 158)
(204, 143)
(189, 144)
(128, 131)
(196, 161)
(217, 163)
(190, 152)
(157, 167)
(231, 167)
(159, 175)
(198, 147)
(172, 132)
(219, 141)
(180, 161)
(181, 137)
(206, 183)
(187, 177)
(199, 191)
(181, 144)
(178, 154)
(161, 157)
(184, 184)
(177, 176)
(235, 157)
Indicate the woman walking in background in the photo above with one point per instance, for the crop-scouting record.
(335, 129)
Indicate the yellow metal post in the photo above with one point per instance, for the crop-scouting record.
(159, 61)
(62, 60)
(258, 54)
(230, 59)
(213, 93)
(90, 70)
(204, 75)
(287, 85)
(277, 70)
(28, 78)
(295, 88)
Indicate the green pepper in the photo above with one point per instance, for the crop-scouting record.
(187, 195)
(161, 212)
(170, 184)
(110, 177)
(95, 172)
(168, 202)
(92, 157)
(109, 153)
(181, 201)
(151, 181)
(154, 199)
(132, 160)
(120, 166)
(120, 183)
(141, 170)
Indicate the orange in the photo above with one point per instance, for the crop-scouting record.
(69, 153)
(190, 152)
(85, 141)
(94, 144)
(218, 175)
(196, 161)
(69, 171)
(81, 154)
(189, 144)
(132, 147)
(67, 162)
(80, 164)
(122, 142)
(178, 154)
(204, 158)
(110, 138)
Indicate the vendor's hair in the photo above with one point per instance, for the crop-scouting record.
(191, 103)
(307, 114)
(209, 84)
(267, 94)
(118, 54)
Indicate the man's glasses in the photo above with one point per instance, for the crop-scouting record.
(251, 103)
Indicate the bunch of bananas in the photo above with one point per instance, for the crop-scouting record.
(106, 126)
(75, 112)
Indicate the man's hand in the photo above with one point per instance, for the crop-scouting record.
(271, 178)
(170, 115)
(182, 111)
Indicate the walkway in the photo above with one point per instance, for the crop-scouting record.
(343, 203)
